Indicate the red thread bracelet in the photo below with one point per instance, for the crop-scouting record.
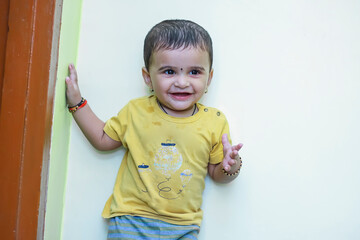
(81, 104)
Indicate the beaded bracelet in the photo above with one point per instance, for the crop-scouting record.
(236, 172)
(81, 104)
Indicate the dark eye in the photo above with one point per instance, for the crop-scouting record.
(169, 72)
(194, 72)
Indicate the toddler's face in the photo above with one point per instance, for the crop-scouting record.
(179, 78)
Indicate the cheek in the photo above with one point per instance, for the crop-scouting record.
(161, 85)
(200, 84)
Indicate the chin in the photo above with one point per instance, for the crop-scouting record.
(183, 109)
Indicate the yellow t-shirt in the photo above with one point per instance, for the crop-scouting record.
(162, 173)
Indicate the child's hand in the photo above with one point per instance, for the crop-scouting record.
(72, 88)
(230, 153)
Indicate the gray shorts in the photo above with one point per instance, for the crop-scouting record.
(134, 227)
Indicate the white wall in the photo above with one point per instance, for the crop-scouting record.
(286, 75)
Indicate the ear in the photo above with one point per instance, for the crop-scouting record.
(146, 76)
(210, 77)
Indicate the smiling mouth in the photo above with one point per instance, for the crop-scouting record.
(181, 94)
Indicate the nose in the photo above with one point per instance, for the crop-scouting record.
(182, 81)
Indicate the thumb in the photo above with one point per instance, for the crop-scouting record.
(224, 139)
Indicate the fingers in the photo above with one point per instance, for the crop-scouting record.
(233, 154)
(227, 167)
(71, 85)
(230, 152)
(233, 151)
(73, 73)
(238, 146)
(228, 164)
(72, 88)
(72, 78)
(230, 160)
(68, 81)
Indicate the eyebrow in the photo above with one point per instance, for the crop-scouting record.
(164, 67)
(199, 68)
(193, 67)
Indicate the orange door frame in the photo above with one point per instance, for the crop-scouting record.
(27, 92)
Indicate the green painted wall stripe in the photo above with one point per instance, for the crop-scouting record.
(68, 48)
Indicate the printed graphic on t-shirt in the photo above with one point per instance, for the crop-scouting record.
(170, 181)
(167, 159)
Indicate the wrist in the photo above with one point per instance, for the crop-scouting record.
(74, 101)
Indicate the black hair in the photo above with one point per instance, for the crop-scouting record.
(175, 34)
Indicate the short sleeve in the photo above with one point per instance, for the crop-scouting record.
(116, 126)
(216, 154)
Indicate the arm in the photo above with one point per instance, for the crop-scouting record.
(89, 123)
(231, 163)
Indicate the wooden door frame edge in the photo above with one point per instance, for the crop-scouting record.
(50, 108)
